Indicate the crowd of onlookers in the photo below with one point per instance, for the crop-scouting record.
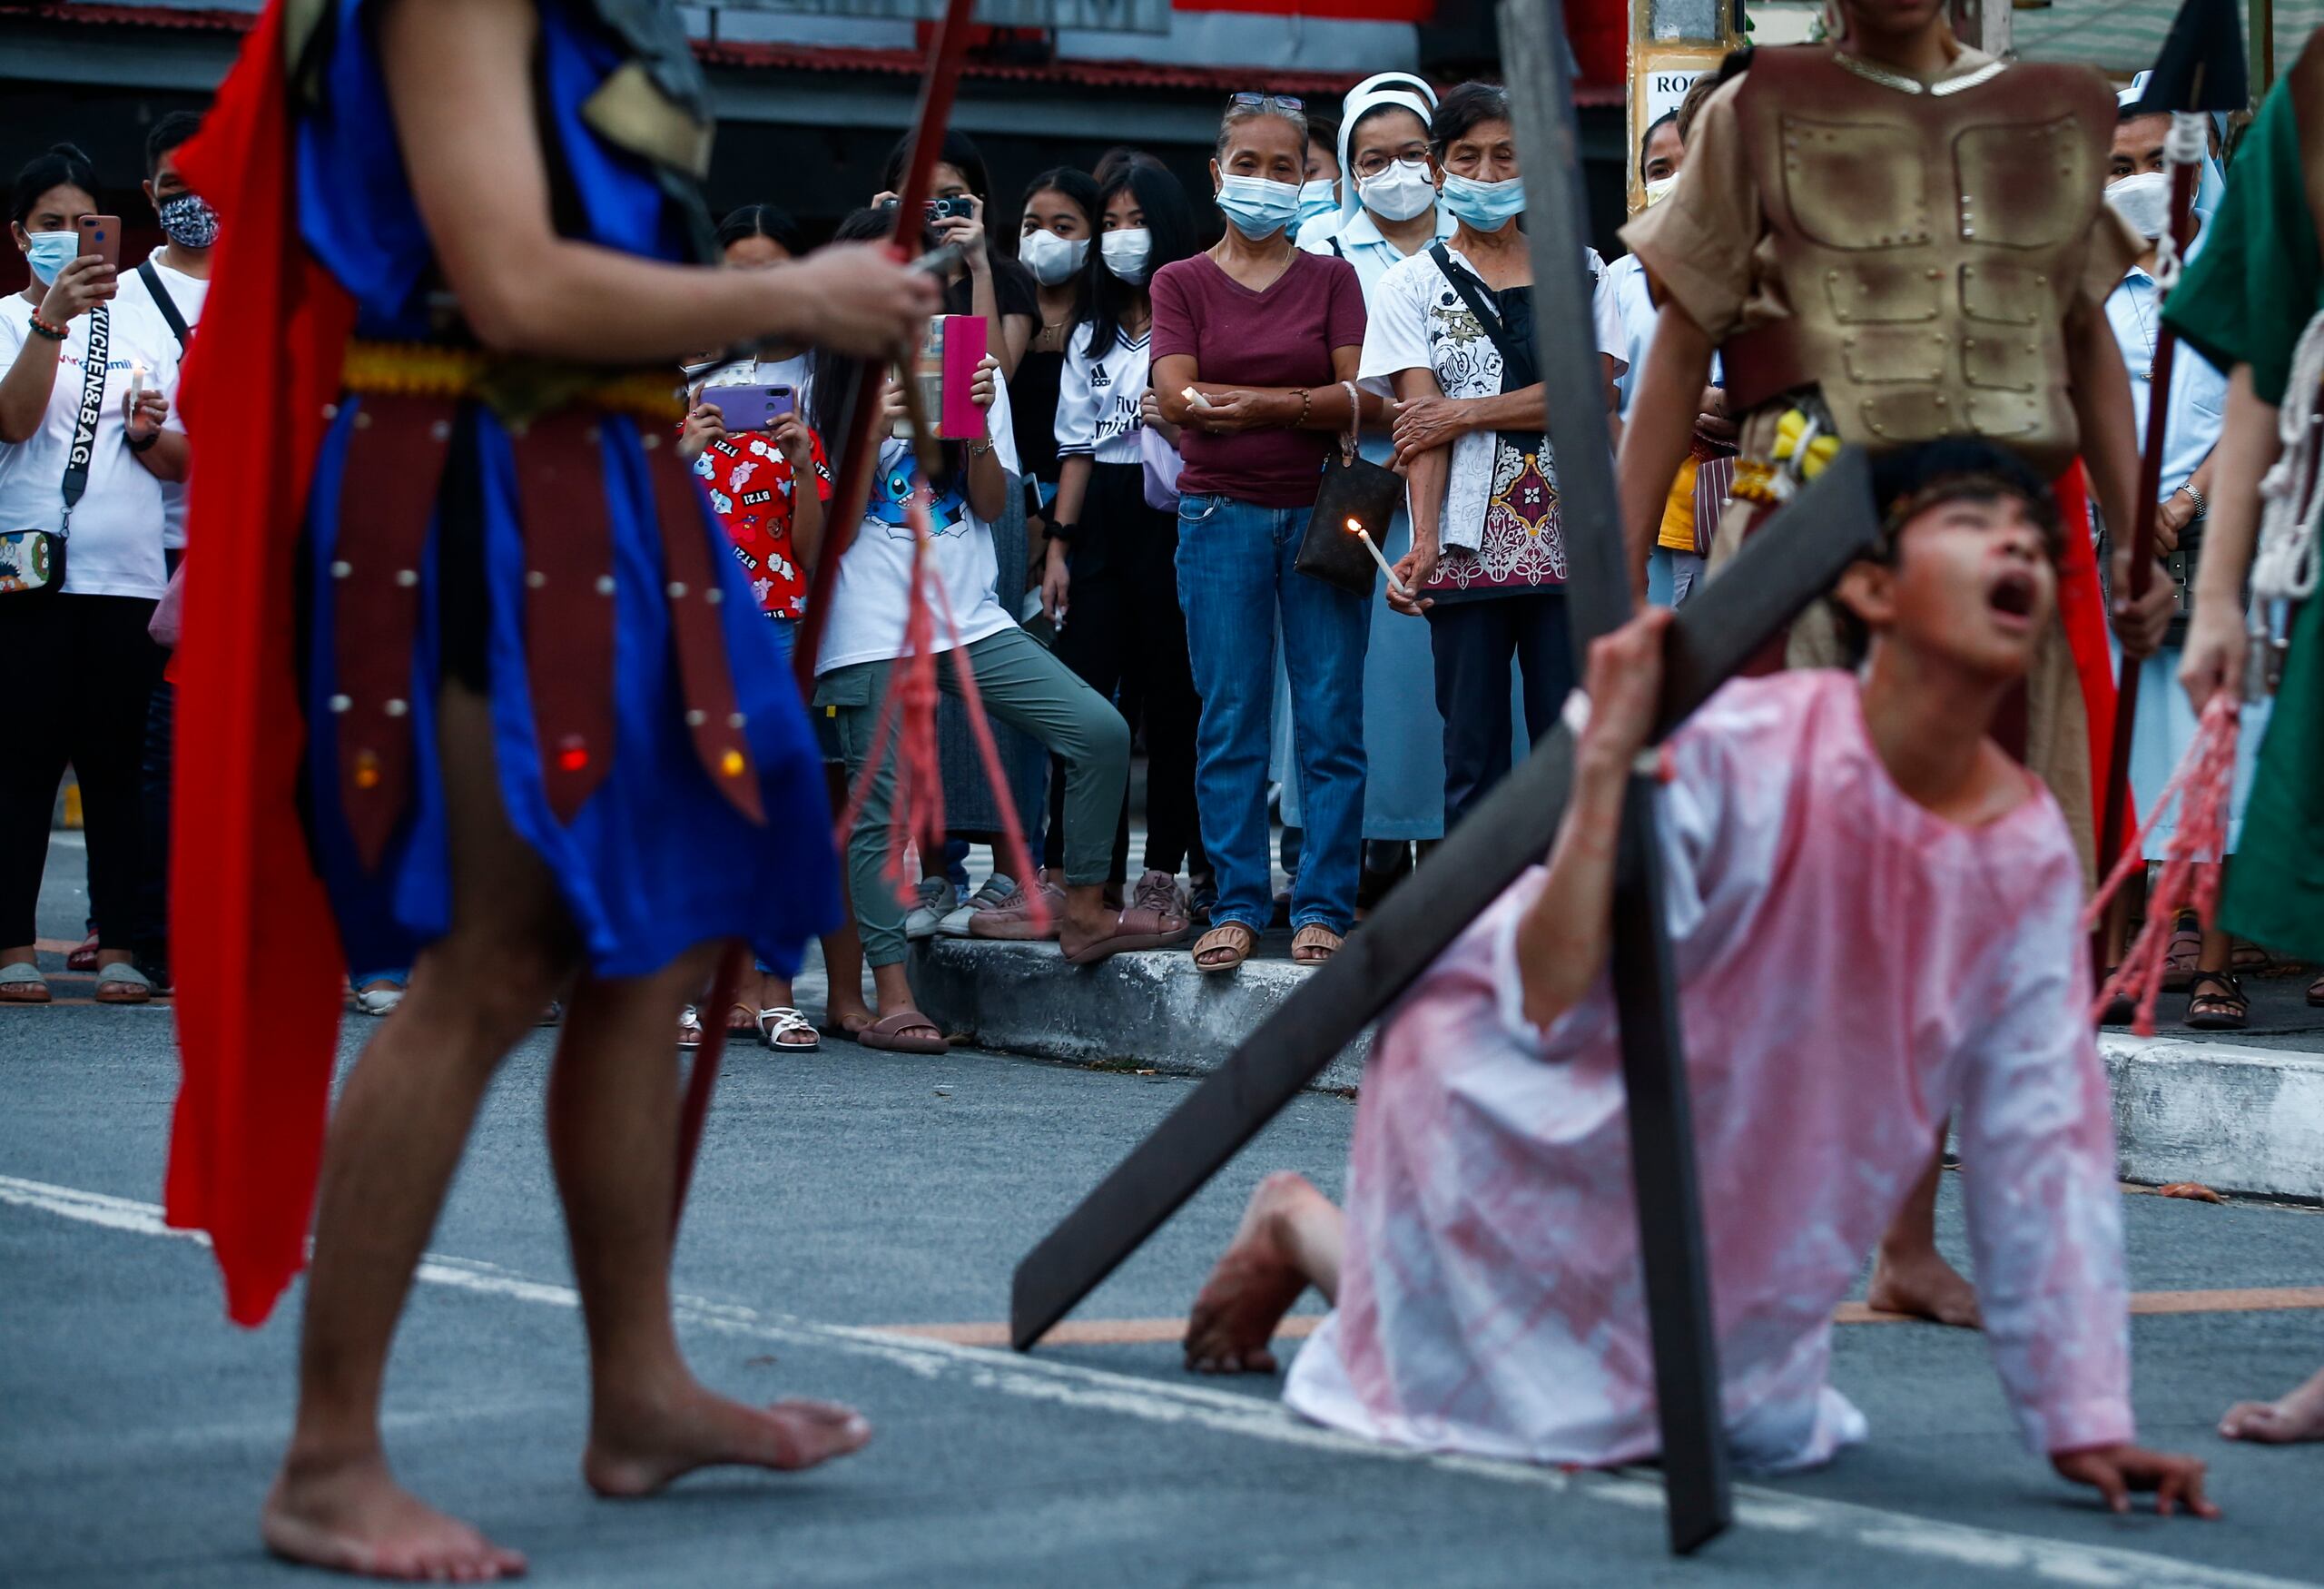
(1126, 547)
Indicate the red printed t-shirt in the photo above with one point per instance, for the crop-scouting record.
(750, 483)
(1280, 337)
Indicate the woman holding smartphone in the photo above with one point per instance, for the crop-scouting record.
(66, 342)
(768, 484)
(1054, 239)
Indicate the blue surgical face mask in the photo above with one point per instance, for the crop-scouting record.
(2211, 189)
(1318, 198)
(1486, 206)
(1257, 208)
(51, 253)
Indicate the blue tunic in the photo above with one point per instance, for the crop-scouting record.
(656, 860)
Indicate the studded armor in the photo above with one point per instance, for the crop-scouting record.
(1929, 240)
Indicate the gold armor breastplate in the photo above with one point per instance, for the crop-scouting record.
(1928, 244)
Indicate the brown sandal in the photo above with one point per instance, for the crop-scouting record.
(1232, 939)
(2224, 1011)
(1313, 945)
(899, 1034)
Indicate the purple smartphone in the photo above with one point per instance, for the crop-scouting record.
(750, 407)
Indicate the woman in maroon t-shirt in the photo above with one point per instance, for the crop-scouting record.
(1269, 337)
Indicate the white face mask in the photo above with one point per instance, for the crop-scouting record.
(1051, 259)
(2143, 202)
(1127, 251)
(1659, 189)
(1402, 193)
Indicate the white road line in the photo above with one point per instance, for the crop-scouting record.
(1231, 1413)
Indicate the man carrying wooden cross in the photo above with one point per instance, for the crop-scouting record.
(1872, 915)
(1891, 239)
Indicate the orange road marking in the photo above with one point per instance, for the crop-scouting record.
(1139, 1332)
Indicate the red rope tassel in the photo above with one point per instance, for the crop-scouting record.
(908, 723)
(2202, 783)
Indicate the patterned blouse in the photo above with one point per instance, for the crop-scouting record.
(751, 485)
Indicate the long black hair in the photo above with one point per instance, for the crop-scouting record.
(831, 370)
(768, 221)
(63, 166)
(1169, 216)
(1082, 189)
(961, 152)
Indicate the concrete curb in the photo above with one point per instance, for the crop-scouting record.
(2240, 1119)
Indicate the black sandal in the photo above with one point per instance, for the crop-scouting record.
(2226, 1011)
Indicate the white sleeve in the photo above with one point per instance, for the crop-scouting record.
(1077, 401)
(1607, 310)
(1000, 424)
(1395, 336)
(13, 334)
(2045, 1222)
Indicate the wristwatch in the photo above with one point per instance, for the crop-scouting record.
(978, 449)
(147, 444)
(1063, 532)
(2195, 497)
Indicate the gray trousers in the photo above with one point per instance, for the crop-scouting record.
(1023, 686)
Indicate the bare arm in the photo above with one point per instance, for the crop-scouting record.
(1235, 409)
(1661, 431)
(2110, 455)
(1426, 474)
(1563, 940)
(2212, 660)
(460, 83)
(168, 457)
(25, 390)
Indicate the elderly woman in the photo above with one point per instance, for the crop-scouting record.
(1452, 327)
(1255, 348)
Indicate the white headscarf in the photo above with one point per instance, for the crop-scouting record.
(1400, 89)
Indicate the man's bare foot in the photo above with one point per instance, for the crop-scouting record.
(637, 1451)
(354, 1517)
(2298, 1416)
(1253, 1286)
(1922, 1285)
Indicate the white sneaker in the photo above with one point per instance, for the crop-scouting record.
(937, 898)
(377, 998)
(997, 890)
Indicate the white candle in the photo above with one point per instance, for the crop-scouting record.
(1381, 557)
(1195, 398)
(136, 381)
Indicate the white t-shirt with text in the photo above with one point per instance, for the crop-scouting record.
(189, 293)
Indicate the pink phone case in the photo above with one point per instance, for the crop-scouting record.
(964, 350)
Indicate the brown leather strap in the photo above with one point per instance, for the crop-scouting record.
(713, 715)
(1761, 364)
(568, 602)
(387, 491)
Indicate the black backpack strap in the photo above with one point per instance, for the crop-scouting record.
(1337, 252)
(165, 303)
(1472, 293)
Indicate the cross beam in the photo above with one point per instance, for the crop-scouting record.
(1598, 599)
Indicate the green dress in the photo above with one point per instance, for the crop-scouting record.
(2245, 300)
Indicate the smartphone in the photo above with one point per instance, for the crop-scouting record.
(751, 408)
(945, 370)
(101, 236)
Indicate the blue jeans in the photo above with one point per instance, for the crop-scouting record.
(1672, 576)
(1236, 573)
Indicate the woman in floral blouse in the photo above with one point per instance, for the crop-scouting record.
(1452, 327)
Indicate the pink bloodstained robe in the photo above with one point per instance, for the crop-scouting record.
(1852, 968)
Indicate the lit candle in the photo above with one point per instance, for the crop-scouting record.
(1379, 558)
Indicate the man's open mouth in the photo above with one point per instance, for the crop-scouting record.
(2014, 594)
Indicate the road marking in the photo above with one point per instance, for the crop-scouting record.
(1139, 1332)
(1265, 1418)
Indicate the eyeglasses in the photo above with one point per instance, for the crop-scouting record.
(1373, 162)
(1267, 104)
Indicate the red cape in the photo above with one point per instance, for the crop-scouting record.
(254, 949)
(2081, 608)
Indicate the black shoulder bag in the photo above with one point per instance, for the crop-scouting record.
(32, 561)
(1356, 494)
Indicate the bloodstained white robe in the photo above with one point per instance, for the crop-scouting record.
(1853, 968)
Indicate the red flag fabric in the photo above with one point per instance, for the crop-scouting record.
(254, 947)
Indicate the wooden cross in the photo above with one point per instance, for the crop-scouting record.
(1787, 564)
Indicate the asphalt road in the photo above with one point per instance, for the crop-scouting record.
(846, 1194)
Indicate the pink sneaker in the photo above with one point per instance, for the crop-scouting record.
(1013, 922)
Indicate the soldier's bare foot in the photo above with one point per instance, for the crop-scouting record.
(1253, 1284)
(351, 1517)
(637, 1449)
(1922, 1285)
(2298, 1416)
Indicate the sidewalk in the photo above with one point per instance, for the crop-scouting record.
(2242, 1112)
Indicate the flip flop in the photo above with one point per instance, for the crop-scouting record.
(1315, 944)
(129, 986)
(1134, 928)
(84, 959)
(1236, 939)
(21, 984)
(889, 1034)
(777, 1022)
(689, 1029)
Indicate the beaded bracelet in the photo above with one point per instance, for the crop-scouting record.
(1306, 401)
(41, 327)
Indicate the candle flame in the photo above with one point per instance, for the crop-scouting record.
(1353, 528)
